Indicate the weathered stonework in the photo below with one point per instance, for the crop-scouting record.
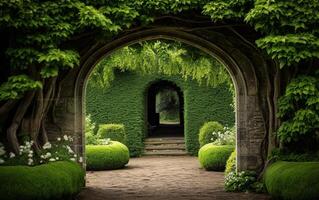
(246, 65)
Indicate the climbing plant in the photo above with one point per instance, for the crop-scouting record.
(163, 57)
(35, 53)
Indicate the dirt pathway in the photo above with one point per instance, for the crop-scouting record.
(154, 178)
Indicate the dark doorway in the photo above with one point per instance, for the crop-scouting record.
(165, 110)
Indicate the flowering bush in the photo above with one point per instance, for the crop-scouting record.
(209, 132)
(59, 151)
(227, 137)
(243, 181)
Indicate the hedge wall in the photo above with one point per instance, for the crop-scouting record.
(125, 102)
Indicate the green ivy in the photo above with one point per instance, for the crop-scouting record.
(298, 108)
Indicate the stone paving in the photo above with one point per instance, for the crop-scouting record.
(155, 178)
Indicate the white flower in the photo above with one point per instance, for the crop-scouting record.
(80, 159)
(65, 137)
(12, 155)
(30, 161)
(30, 155)
(48, 155)
(47, 145)
(52, 159)
(1, 161)
(57, 158)
(74, 155)
(58, 139)
(72, 159)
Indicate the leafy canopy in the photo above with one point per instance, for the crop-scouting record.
(162, 57)
(38, 30)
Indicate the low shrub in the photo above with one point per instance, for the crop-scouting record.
(114, 155)
(213, 157)
(293, 180)
(227, 137)
(231, 163)
(242, 182)
(55, 180)
(209, 132)
(116, 132)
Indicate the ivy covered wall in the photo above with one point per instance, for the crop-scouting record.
(125, 102)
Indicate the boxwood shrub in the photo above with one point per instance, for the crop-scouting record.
(103, 157)
(116, 132)
(212, 157)
(56, 180)
(208, 132)
(293, 180)
(231, 163)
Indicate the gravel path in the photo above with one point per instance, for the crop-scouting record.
(155, 178)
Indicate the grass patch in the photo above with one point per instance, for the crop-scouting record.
(293, 180)
(56, 180)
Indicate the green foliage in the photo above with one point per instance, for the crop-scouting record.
(163, 57)
(16, 86)
(227, 9)
(293, 180)
(242, 182)
(201, 104)
(209, 132)
(58, 180)
(212, 157)
(290, 28)
(298, 108)
(115, 132)
(103, 157)
(231, 163)
(281, 155)
(290, 48)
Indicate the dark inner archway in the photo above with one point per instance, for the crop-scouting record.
(155, 94)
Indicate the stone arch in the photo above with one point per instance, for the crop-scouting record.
(150, 93)
(245, 64)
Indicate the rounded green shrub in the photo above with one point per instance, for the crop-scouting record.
(231, 163)
(293, 180)
(116, 132)
(208, 132)
(212, 157)
(56, 180)
(102, 157)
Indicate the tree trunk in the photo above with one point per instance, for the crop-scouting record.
(16, 121)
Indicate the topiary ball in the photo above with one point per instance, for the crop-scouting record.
(208, 132)
(231, 163)
(213, 157)
(116, 132)
(103, 157)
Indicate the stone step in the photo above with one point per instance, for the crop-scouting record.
(159, 142)
(164, 139)
(165, 146)
(165, 153)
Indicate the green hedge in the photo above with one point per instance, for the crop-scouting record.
(207, 132)
(56, 180)
(125, 103)
(116, 132)
(103, 157)
(293, 180)
(214, 158)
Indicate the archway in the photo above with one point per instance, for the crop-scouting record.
(164, 99)
(246, 65)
